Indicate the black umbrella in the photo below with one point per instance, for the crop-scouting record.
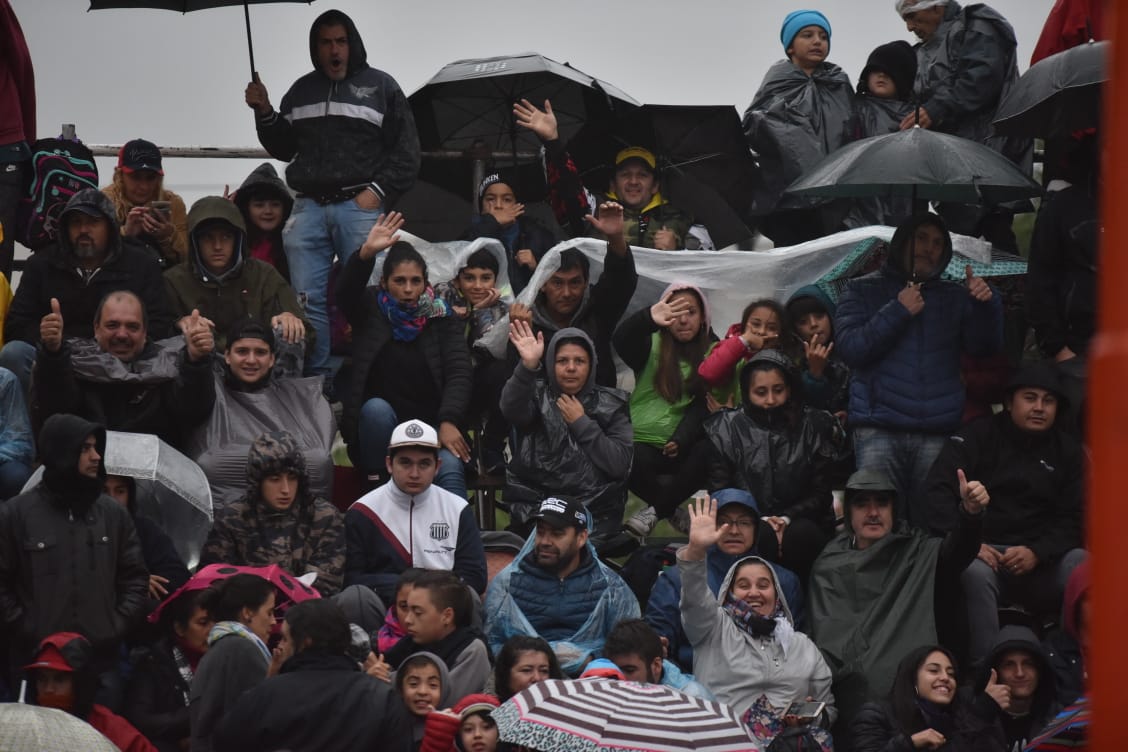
(469, 103)
(186, 6)
(702, 155)
(1057, 95)
(919, 164)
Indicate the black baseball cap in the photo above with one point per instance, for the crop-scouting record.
(140, 154)
(563, 513)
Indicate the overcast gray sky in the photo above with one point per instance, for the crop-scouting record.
(178, 79)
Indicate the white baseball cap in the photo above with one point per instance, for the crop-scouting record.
(414, 433)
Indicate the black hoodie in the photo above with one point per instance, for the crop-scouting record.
(782, 455)
(344, 134)
(1019, 729)
(70, 559)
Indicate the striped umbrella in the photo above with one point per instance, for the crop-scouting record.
(603, 714)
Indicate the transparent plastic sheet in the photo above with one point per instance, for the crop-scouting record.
(220, 445)
(730, 279)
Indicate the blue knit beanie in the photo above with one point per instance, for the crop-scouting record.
(796, 20)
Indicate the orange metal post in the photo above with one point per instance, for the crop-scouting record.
(1108, 415)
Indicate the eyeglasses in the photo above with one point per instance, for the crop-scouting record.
(741, 522)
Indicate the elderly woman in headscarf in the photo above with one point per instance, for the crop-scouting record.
(745, 647)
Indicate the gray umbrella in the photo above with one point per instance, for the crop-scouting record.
(31, 728)
(920, 164)
(1058, 95)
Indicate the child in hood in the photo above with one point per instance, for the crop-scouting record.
(800, 114)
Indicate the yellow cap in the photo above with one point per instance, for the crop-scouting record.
(636, 152)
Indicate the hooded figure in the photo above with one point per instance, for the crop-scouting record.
(740, 655)
(350, 133)
(906, 390)
(264, 184)
(224, 283)
(48, 531)
(417, 707)
(294, 529)
(795, 120)
(877, 113)
(828, 390)
(70, 685)
(56, 272)
(588, 459)
(869, 606)
(1020, 727)
(783, 456)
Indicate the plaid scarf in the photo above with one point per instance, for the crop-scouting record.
(408, 321)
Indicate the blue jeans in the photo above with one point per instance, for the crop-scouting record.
(906, 457)
(19, 357)
(312, 237)
(377, 421)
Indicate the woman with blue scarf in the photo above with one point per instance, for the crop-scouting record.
(242, 607)
(410, 357)
(745, 647)
(927, 710)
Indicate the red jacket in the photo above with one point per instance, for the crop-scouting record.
(17, 81)
(719, 366)
(117, 729)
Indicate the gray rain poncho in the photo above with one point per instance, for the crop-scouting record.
(964, 70)
(220, 445)
(793, 122)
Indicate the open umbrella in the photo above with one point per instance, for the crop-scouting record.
(706, 166)
(172, 490)
(1068, 731)
(186, 6)
(470, 102)
(288, 589)
(31, 728)
(919, 164)
(1057, 95)
(603, 714)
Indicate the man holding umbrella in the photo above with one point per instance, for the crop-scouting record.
(651, 221)
(351, 136)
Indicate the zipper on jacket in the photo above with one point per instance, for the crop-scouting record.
(411, 530)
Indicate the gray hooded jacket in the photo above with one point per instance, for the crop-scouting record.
(739, 667)
(584, 459)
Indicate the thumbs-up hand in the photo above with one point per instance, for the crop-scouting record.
(1000, 693)
(973, 494)
(976, 287)
(51, 328)
(198, 336)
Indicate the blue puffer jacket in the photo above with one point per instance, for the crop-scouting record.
(663, 610)
(906, 369)
(573, 614)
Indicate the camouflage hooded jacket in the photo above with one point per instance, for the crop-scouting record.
(309, 536)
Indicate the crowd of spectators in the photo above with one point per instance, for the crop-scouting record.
(913, 579)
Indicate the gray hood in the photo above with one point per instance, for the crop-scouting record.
(550, 358)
